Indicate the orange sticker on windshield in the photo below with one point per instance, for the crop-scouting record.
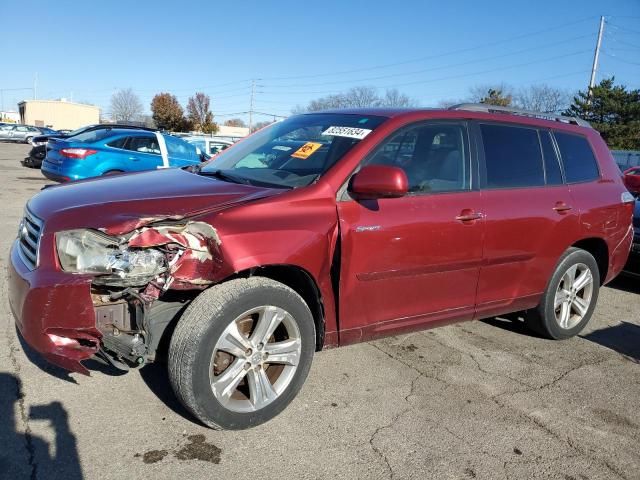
(306, 150)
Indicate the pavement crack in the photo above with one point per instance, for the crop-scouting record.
(20, 396)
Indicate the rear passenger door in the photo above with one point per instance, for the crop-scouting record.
(530, 219)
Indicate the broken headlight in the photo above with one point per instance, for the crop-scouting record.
(89, 251)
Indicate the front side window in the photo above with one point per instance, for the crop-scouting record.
(179, 149)
(512, 156)
(577, 157)
(435, 157)
(294, 152)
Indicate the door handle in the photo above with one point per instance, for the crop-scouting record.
(562, 207)
(135, 159)
(468, 215)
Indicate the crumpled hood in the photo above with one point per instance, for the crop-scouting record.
(123, 202)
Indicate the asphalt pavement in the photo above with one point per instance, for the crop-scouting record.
(484, 400)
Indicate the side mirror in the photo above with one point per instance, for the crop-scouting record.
(379, 181)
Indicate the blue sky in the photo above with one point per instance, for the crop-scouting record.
(297, 50)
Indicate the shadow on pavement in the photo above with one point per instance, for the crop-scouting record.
(624, 338)
(626, 282)
(156, 377)
(25, 455)
(512, 322)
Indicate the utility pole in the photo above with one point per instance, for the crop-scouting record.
(253, 91)
(596, 54)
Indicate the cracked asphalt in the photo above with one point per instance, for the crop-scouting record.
(485, 400)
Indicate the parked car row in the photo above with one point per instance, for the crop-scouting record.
(107, 149)
(23, 133)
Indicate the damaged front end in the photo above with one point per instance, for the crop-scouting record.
(136, 277)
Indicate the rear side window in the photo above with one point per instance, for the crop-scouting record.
(512, 156)
(144, 145)
(551, 164)
(118, 142)
(577, 157)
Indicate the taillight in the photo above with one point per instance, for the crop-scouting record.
(79, 153)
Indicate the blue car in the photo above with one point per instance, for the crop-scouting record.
(106, 152)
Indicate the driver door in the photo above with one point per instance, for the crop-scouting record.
(412, 261)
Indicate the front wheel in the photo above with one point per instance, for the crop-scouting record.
(570, 298)
(241, 352)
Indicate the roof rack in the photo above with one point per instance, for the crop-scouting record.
(484, 107)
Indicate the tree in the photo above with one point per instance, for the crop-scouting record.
(496, 97)
(259, 125)
(358, 97)
(393, 98)
(612, 110)
(199, 113)
(125, 106)
(167, 112)
(235, 122)
(542, 98)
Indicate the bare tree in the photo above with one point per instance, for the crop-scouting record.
(543, 98)
(199, 113)
(235, 122)
(125, 106)
(259, 125)
(358, 97)
(393, 98)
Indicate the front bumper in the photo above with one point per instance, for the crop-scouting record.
(49, 305)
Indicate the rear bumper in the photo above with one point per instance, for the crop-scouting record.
(48, 303)
(56, 177)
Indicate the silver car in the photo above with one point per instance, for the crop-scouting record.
(18, 133)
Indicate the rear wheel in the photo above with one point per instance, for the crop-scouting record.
(241, 352)
(570, 298)
(28, 140)
(112, 172)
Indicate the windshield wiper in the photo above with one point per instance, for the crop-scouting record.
(224, 176)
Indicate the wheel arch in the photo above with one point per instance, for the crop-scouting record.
(599, 249)
(303, 283)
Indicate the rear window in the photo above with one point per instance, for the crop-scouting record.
(92, 136)
(577, 157)
(512, 156)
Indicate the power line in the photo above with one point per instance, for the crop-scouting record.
(450, 77)
(429, 57)
(431, 69)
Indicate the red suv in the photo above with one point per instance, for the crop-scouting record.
(325, 229)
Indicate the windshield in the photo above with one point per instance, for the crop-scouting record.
(294, 152)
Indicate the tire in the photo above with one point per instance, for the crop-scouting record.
(28, 139)
(200, 365)
(559, 321)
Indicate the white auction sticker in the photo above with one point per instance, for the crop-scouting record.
(349, 132)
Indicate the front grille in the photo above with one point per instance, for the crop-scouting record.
(29, 238)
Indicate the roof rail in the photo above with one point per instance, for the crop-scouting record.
(484, 107)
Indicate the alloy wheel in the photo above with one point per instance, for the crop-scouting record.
(255, 359)
(573, 296)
